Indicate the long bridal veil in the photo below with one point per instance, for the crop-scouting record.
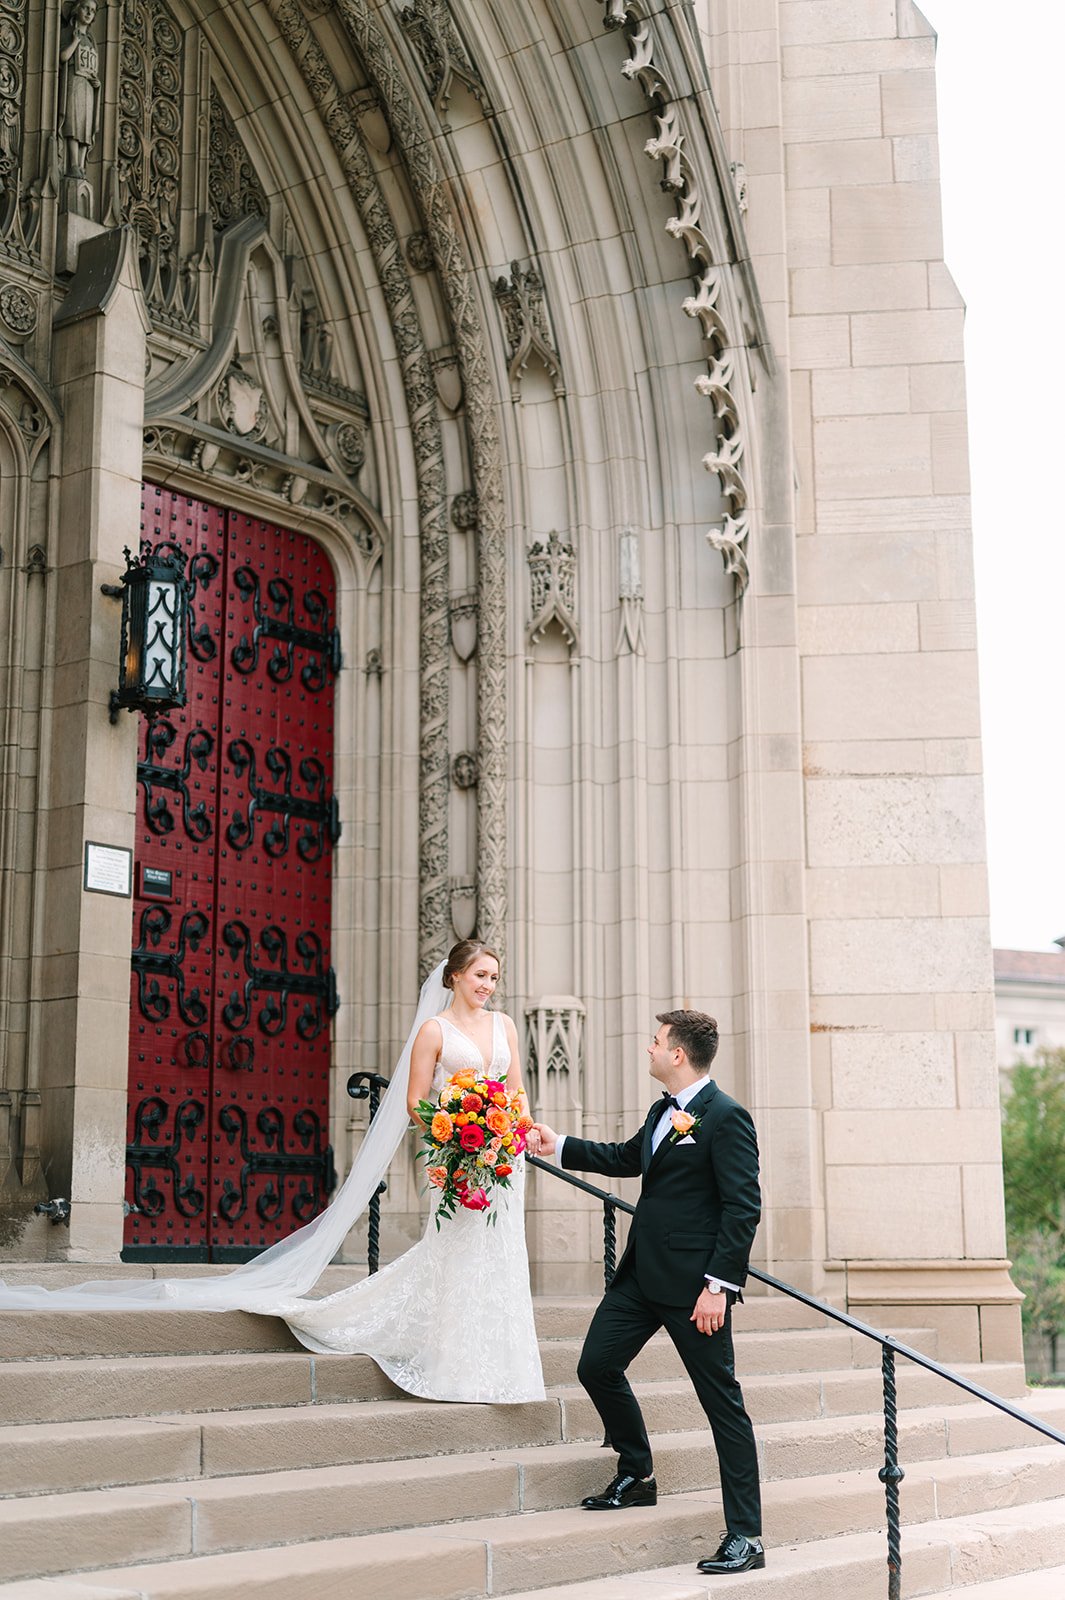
(287, 1269)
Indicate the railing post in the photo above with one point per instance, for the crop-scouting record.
(360, 1086)
(891, 1475)
(610, 1242)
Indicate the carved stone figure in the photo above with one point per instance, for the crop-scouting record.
(79, 86)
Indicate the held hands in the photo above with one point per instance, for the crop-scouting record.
(545, 1139)
(709, 1313)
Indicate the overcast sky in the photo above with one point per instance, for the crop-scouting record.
(999, 75)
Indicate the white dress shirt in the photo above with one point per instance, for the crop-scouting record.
(661, 1129)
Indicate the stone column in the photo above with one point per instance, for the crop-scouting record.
(83, 1037)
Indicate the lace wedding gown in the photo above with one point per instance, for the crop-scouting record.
(452, 1318)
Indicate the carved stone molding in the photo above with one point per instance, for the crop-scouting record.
(18, 313)
(464, 511)
(464, 626)
(339, 115)
(431, 29)
(718, 301)
(420, 256)
(241, 461)
(554, 1051)
(463, 893)
(147, 174)
(552, 586)
(630, 640)
(433, 194)
(521, 300)
(12, 84)
(464, 770)
(447, 371)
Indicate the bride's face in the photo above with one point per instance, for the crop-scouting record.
(476, 983)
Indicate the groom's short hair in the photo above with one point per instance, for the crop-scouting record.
(693, 1032)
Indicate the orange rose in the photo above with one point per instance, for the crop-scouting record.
(464, 1080)
(683, 1122)
(498, 1121)
(525, 1123)
(503, 1171)
(442, 1127)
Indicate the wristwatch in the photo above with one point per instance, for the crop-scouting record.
(713, 1287)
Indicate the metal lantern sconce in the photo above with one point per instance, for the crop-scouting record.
(155, 601)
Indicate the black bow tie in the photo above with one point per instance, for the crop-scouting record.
(670, 1100)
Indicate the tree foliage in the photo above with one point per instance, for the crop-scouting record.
(1033, 1144)
(1033, 1161)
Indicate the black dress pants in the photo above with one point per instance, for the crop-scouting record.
(622, 1325)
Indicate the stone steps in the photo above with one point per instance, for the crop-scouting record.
(571, 1555)
(53, 1458)
(211, 1516)
(269, 1470)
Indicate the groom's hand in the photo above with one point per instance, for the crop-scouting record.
(548, 1139)
(709, 1313)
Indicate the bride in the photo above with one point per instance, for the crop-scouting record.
(451, 1319)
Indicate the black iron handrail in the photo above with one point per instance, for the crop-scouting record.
(363, 1085)
(891, 1474)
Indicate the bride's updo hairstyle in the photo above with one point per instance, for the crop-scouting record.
(460, 957)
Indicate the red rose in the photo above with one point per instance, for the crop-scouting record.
(471, 1137)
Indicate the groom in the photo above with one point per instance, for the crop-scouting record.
(683, 1268)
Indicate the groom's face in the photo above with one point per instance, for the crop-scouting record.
(664, 1056)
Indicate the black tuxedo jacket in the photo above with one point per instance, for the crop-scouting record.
(699, 1202)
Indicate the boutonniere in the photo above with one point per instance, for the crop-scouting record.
(684, 1125)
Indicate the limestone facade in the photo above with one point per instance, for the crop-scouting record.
(608, 350)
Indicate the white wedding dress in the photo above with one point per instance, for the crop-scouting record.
(451, 1318)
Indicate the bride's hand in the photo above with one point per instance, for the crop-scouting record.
(532, 1141)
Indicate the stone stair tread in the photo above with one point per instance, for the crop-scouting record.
(463, 1559)
(192, 1446)
(528, 1501)
(29, 1335)
(1047, 1584)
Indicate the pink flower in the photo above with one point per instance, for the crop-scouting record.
(475, 1200)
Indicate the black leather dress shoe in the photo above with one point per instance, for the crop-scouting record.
(735, 1554)
(622, 1492)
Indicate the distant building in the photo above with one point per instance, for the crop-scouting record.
(1029, 1003)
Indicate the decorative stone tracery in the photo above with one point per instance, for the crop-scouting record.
(442, 55)
(521, 300)
(552, 586)
(715, 303)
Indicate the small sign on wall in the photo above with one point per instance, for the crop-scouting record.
(108, 869)
(157, 883)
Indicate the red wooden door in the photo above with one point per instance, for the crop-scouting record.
(232, 988)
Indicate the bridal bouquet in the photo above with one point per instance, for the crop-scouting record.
(473, 1134)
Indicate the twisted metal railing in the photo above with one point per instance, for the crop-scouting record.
(363, 1084)
(891, 1473)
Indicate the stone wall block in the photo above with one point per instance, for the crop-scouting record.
(890, 1210)
(891, 697)
(830, 21)
(887, 222)
(901, 955)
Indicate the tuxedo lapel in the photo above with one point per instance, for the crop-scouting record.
(694, 1108)
(648, 1134)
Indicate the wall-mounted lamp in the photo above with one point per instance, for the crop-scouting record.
(155, 599)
